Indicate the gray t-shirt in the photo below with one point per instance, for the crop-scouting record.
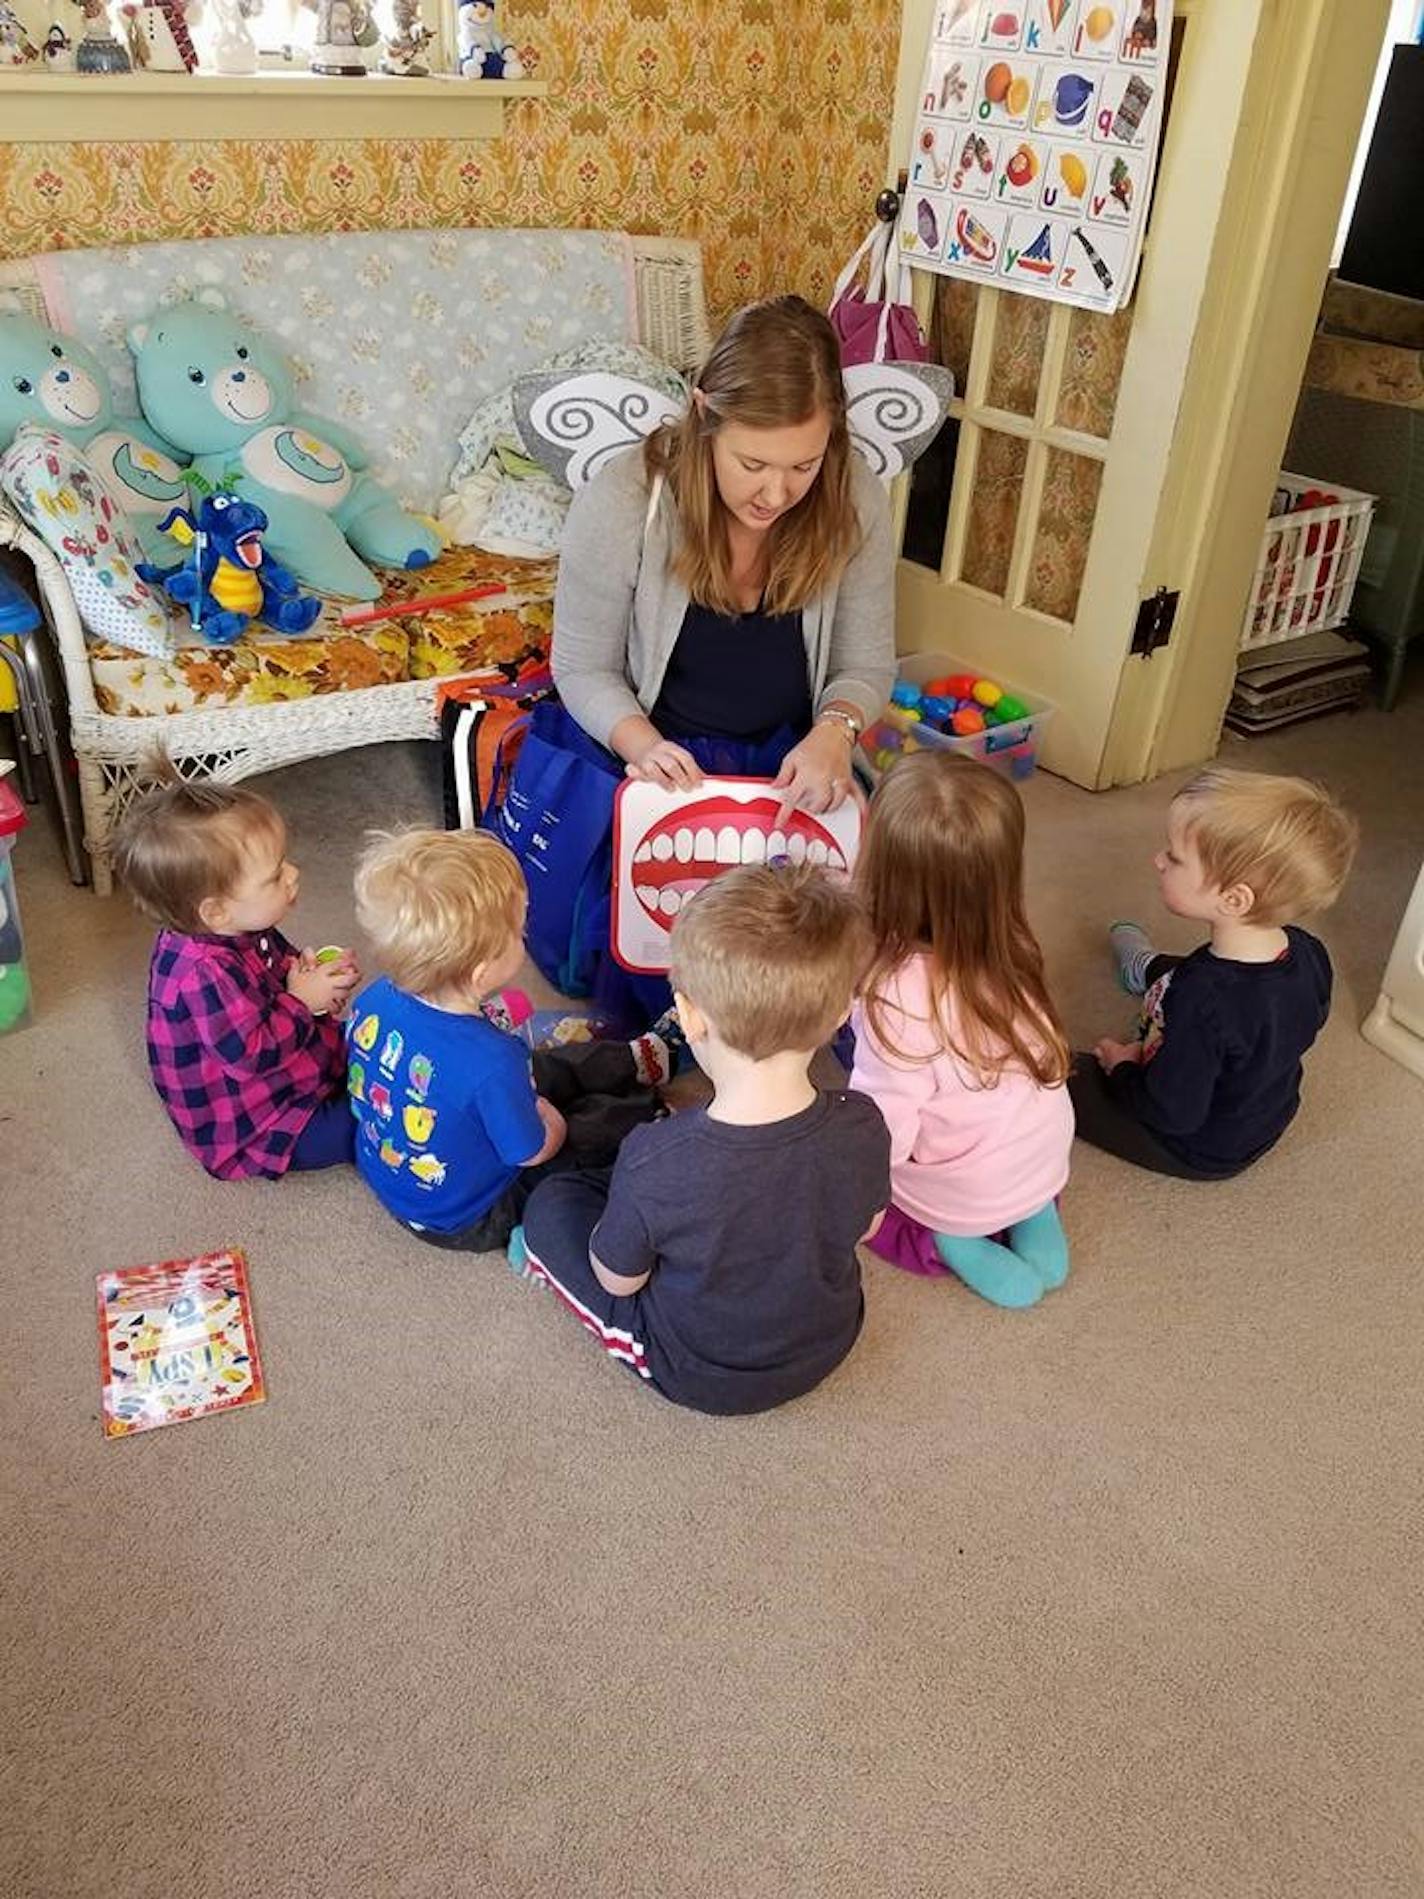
(749, 1234)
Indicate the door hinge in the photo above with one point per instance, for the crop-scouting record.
(1154, 622)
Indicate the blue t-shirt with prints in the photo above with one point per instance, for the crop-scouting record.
(444, 1105)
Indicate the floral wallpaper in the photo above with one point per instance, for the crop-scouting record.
(757, 126)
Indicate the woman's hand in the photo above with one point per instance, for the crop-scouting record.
(816, 775)
(663, 763)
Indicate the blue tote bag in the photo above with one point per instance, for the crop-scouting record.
(554, 809)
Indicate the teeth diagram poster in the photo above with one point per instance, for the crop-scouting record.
(1035, 145)
(668, 844)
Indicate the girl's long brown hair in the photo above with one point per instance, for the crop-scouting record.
(941, 874)
(777, 364)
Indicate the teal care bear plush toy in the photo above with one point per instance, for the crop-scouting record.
(51, 381)
(223, 392)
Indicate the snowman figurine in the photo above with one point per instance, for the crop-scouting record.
(484, 51)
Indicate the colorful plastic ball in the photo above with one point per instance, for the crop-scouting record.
(1011, 708)
(913, 714)
(885, 758)
(967, 721)
(905, 693)
(987, 693)
(993, 716)
(911, 745)
(937, 708)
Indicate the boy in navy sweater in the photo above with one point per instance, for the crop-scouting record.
(1212, 1080)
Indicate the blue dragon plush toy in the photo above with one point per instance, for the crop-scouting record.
(228, 578)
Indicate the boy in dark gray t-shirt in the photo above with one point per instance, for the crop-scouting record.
(718, 1258)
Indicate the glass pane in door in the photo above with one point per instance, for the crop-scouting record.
(1062, 533)
(993, 510)
(1020, 331)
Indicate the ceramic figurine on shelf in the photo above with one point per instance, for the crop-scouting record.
(484, 51)
(401, 55)
(158, 35)
(58, 50)
(99, 51)
(344, 28)
(16, 46)
(234, 49)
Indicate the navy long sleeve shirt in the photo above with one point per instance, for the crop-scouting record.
(1219, 1079)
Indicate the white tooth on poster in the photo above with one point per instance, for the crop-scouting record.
(694, 836)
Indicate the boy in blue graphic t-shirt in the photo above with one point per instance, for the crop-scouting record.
(455, 1120)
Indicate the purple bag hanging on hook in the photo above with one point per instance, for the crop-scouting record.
(872, 324)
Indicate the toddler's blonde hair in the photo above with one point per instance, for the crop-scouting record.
(771, 956)
(1287, 839)
(437, 904)
(187, 841)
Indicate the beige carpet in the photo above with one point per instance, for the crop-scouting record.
(1117, 1597)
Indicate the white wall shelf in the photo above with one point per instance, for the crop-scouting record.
(119, 108)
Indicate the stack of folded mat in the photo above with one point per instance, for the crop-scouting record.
(1299, 679)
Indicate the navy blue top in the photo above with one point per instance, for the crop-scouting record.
(735, 676)
(1219, 1081)
(444, 1105)
(749, 1234)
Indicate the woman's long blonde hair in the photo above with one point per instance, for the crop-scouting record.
(777, 364)
(941, 874)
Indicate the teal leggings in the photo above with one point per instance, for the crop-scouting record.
(1034, 1261)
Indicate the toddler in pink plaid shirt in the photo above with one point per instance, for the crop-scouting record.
(244, 1044)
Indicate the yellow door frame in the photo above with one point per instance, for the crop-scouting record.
(1312, 63)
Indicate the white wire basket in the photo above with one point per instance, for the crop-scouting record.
(1310, 561)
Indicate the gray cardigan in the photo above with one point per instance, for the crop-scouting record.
(618, 608)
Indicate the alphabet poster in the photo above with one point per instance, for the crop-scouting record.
(668, 844)
(1035, 145)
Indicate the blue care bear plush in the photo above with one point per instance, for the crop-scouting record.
(52, 382)
(223, 392)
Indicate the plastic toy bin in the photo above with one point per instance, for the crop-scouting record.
(1011, 748)
(14, 976)
(1310, 561)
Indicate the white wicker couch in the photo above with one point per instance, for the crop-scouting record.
(236, 741)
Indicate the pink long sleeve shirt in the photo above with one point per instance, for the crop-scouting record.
(964, 1159)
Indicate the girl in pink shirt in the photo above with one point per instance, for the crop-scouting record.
(957, 1041)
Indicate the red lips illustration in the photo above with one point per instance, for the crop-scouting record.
(685, 850)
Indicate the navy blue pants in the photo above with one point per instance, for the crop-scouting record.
(327, 1140)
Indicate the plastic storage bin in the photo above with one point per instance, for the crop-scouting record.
(1011, 748)
(1310, 561)
(14, 976)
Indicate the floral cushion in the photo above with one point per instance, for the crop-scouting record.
(511, 625)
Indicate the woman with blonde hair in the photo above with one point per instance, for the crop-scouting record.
(725, 599)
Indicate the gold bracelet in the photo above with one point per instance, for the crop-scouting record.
(847, 721)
